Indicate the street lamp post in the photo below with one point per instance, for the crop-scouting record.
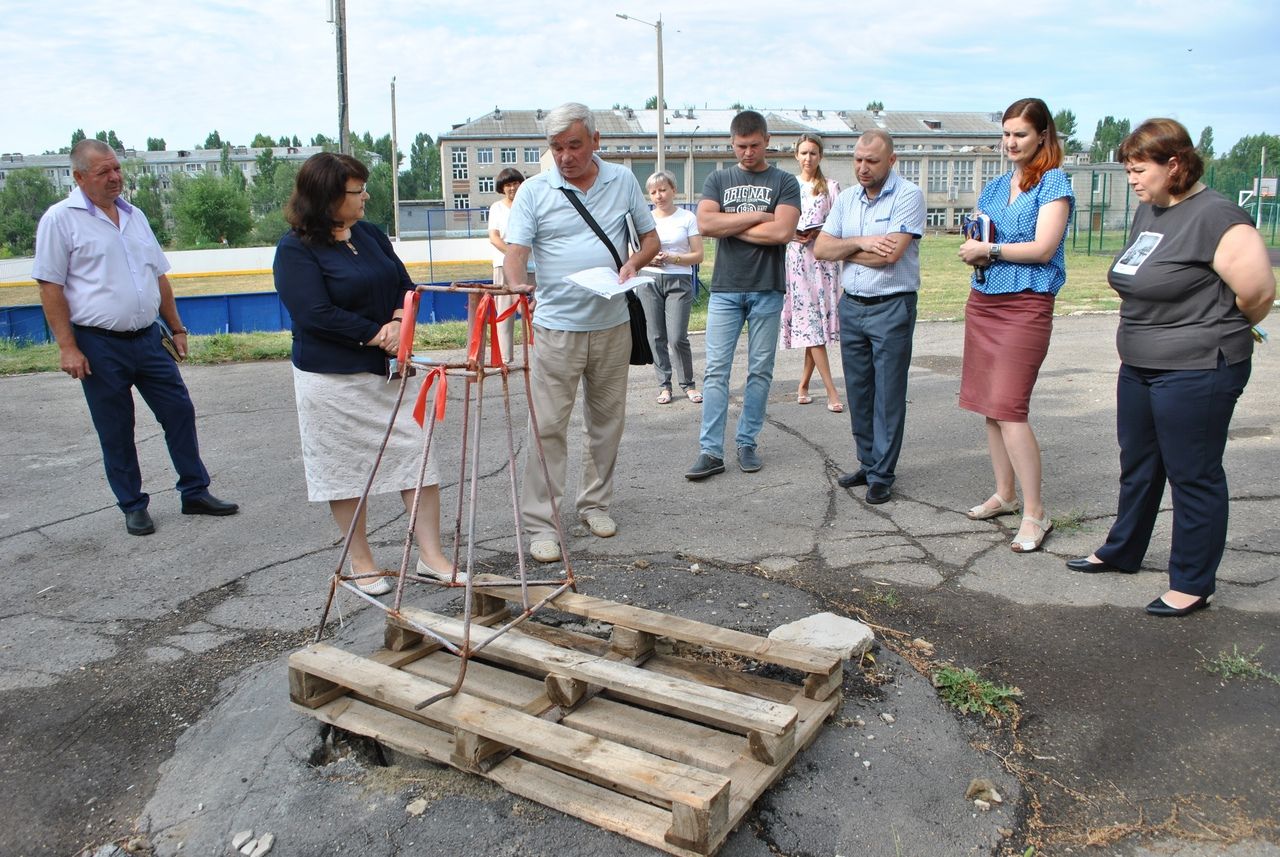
(662, 103)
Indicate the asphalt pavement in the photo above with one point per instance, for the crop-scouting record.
(143, 686)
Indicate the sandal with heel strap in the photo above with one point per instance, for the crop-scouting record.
(1029, 545)
(983, 512)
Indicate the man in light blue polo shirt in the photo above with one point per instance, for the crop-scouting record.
(874, 230)
(579, 338)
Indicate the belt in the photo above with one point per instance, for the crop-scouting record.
(115, 334)
(866, 300)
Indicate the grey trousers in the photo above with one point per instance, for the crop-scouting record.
(666, 315)
(564, 361)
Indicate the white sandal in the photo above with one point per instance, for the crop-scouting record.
(983, 512)
(1029, 545)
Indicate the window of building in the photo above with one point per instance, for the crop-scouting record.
(937, 176)
(624, 148)
(458, 157)
(461, 201)
(193, 168)
(957, 216)
(531, 154)
(935, 217)
(964, 175)
(485, 184)
(910, 170)
(646, 147)
(990, 170)
(508, 155)
(484, 155)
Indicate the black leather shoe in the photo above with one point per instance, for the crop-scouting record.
(139, 523)
(1083, 564)
(878, 493)
(1160, 608)
(749, 459)
(852, 480)
(207, 504)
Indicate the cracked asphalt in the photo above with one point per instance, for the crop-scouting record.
(142, 681)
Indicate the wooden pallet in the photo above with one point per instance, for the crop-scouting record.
(669, 751)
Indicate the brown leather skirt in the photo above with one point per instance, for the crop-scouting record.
(1005, 340)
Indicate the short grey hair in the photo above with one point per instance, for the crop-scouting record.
(85, 150)
(562, 118)
(878, 134)
(661, 176)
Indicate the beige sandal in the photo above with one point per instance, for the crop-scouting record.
(983, 512)
(1028, 545)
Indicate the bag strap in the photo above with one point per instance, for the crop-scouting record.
(595, 227)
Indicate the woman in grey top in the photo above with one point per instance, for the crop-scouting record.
(1193, 280)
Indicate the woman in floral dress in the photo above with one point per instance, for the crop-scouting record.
(810, 314)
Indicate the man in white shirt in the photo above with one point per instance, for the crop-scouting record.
(102, 283)
(580, 339)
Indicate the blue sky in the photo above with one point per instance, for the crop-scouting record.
(180, 70)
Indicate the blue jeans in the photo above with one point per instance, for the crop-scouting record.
(726, 313)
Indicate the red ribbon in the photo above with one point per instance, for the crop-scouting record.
(442, 396)
(487, 312)
(407, 324)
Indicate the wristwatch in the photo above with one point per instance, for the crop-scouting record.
(994, 253)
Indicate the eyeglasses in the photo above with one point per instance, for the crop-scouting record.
(358, 192)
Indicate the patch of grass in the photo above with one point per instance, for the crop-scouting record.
(1238, 665)
(968, 692)
(19, 358)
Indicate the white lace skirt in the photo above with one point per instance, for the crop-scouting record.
(342, 419)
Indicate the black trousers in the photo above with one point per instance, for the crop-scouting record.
(1172, 426)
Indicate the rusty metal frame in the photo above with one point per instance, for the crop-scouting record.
(473, 370)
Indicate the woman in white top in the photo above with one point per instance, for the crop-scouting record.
(667, 302)
(507, 183)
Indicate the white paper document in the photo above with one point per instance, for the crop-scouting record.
(604, 282)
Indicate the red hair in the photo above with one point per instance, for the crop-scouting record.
(1049, 156)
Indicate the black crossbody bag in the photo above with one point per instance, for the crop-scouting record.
(641, 353)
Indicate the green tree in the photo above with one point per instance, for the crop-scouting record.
(213, 141)
(422, 181)
(108, 137)
(1065, 122)
(208, 208)
(229, 169)
(261, 141)
(295, 142)
(1107, 138)
(27, 194)
(651, 103)
(149, 197)
(76, 136)
(1205, 146)
(322, 140)
(283, 141)
(155, 144)
(875, 106)
(377, 210)
(1238, 169)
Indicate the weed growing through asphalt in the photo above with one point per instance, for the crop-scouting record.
(1241, 665)
(968, 692)
(885, 597)
(1069, 522)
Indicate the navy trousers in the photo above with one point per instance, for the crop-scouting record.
(875, 351)
(117, 365)
(1172, 425)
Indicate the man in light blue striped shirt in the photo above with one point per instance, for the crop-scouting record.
(874, 230)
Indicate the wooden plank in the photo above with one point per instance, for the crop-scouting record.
(817, 686)
(527, 778)
(714, 675)
(633, 770)
(565, 692)
(311, 692)
(632, 644)
(669, 737)
(707, 704)
(803, 658)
